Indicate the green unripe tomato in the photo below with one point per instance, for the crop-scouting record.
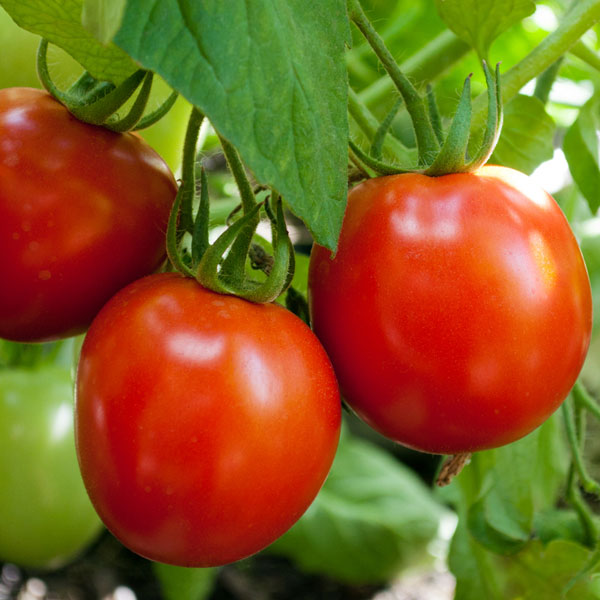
(45, 515)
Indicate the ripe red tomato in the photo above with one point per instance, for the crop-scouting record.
(205, 424)
(83, 212)
(457, 310)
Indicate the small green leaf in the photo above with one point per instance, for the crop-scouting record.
(103, 17)
(542, 572)
(581, 150)
(527, 135)
(480, 22)
(371, 518)
(59, 21)
(554, 523)
(180, 583)
(271, 78)
(507, 536)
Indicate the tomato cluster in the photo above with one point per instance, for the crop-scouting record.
(457, 310)
(456, 313)
(205, 425)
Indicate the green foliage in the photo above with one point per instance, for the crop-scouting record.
(180, 583)
(271, 79)
(59, 21)
(500, 497)
(372, 517)
(527, 135)
(103, 17)
(480, 22)
(538, 572)
(581, 149)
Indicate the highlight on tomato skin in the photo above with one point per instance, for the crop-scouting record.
(83, 212)
(457, 311)
(205, 424)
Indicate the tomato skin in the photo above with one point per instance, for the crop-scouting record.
(457, 311)
(47, 517)
(83, 212)
(205, 424)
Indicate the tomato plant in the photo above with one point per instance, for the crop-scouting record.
(205, 424)
(47, 517)
(457, 310)
(83, 212)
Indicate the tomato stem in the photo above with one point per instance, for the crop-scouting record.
(427, 142)
(200, 241)
(137, 110)
(434, 114)
(188, 168)
(369, 125)
(239, 173)
(379, 137)
(97, 102)
(157, 114)
(451, 157)
(425, 65)
(588, 483)
(452, 467)
(181, 217)
(574, 497)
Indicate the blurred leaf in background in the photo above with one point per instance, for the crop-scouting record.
(372, 518)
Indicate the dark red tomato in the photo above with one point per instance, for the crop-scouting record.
(457, 310)
(205, 424)
(83, 212)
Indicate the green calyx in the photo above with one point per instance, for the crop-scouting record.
(98, 102)
(222, 266)
(437, 154)
(452, 156)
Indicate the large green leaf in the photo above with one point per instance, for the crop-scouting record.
(581, 150)
(480, 22)
(103, 17)
(271, 78)
(371, 518)
(59, 21)
(527, 135)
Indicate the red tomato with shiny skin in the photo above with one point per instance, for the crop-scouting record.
(83, 212)
(457, 311)
(205, 424)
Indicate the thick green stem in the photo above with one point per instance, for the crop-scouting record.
(239, 174)
(425, 65)
(582, 16)
(427, 142)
